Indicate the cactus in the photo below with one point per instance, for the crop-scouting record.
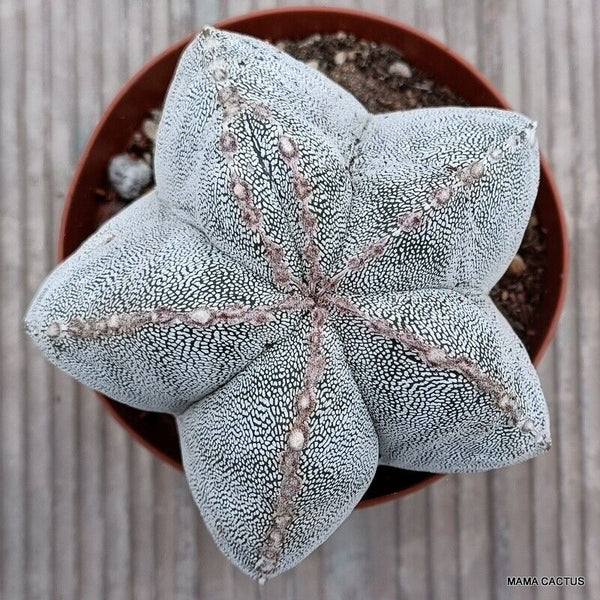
(306, 290)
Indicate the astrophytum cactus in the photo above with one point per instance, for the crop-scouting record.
(306, 290)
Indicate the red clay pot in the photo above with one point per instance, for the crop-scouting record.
(147, 90)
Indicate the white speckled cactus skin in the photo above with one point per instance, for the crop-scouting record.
(306, 290)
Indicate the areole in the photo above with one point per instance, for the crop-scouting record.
(146, 90)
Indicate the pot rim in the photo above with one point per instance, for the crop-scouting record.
(315, 13)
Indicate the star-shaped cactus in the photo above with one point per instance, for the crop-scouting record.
(306, 289)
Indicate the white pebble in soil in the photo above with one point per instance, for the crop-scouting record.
(149, 127)
(129, 176)
(340, 58)
(400, 68)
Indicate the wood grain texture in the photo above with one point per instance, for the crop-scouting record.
(87, 513)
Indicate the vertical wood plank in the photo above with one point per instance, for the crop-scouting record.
(583, 39)
(279, 588)
(308, 576)
(91, 534)
(139, 18)
(567, 432)
(382, 552)
(243, 586)
(413, 560)
(12, 199)
(186, 554)
(443, 539)
(344, 560)
(543, 471)
(61, 155)
(590, 322)
(88, 51)
(430, 18)
(473, 538)
(181, 18)
(37, 393)
(215, 579)
(159, 26)
(405, 11)
(164, 543)
(142, 516)
(374, 6)
(205, 13)
(461, 27)
(230, 8)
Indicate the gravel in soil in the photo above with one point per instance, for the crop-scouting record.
(383, 81)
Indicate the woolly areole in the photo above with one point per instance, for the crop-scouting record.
(306, 290)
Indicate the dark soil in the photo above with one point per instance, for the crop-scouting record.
(519, 292)
(380, 78)
(375, 74)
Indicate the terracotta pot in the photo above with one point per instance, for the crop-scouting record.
(147, 89)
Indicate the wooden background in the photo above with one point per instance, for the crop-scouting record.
(88, 514)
